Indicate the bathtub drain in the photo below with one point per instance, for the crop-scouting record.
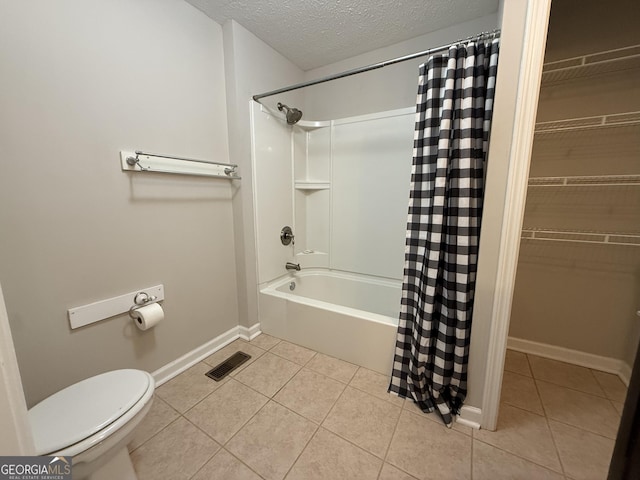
(292, 286)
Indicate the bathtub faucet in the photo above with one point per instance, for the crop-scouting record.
(292, 266)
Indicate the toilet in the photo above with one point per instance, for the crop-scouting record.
(93, 421)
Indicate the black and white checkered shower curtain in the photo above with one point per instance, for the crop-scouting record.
(453, 118)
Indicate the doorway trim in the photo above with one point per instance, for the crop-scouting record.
(534, 43)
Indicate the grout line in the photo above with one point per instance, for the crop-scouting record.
(352, 443)
(606, 390)
(207, 434)
(303, 416)
(438, 420)
(241, 427)
(206, 461)
(524, 409)
(288, 359)
(348, 440)
(281, 387)
(303, 448)
(287, 382)
(240, 460)
(266, 349)
(553, 438)
(591, 432)
(600, 386)
(398, 468)
(325, 376)
(155, 434)
(526, 356)
(519, 374)
(334, 405)
(393, 434)
(389, 395)
(261, 408)
(220, 385)
(194, 425)
(616, 408)
(344, 387)
(337, 359)
(528, 460)
(246, 423)
(520, 407)
(471, 462)
(572, 389)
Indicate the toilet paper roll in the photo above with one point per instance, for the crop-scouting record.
(148, 316)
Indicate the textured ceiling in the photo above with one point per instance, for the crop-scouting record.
(313, 33)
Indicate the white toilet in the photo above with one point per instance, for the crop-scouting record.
(93, 421)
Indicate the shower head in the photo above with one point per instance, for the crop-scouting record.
(293, 114)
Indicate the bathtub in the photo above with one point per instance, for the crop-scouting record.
(349, 316)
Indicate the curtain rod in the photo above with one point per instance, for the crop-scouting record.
(495, 33)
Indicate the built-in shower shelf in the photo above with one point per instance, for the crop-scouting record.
(312, 185)
(587, 123)
(576, 236)
(312, 124)
(609, 61)
(586, 181)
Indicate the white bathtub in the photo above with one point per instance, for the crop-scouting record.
(348, 316)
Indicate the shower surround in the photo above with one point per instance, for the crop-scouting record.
(343, 187)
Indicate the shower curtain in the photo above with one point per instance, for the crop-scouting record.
(453, 118)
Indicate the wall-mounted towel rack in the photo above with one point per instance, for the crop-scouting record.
(139, 161)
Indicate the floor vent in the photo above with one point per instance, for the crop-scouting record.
(225, 368)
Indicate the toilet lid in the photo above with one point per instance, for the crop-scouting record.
(81, 410)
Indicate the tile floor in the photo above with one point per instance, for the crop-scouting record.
(296, 414)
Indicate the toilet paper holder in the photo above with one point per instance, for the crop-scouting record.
(140, 300)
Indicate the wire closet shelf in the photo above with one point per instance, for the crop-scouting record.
(600, 238)
(566, 70)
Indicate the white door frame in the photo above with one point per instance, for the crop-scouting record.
(16, 438)
(534, 43)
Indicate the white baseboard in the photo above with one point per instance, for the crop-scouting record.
(625, 373)
(470, 416)
(189, 359)
(249, 333)
(576, 357)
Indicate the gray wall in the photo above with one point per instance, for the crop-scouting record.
(251, 67)
(82, 80)
(389, 88)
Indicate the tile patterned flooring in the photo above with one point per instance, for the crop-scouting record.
(296, 414)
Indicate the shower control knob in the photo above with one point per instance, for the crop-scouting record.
(286, 235)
